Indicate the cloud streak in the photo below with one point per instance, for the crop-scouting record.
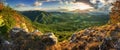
(95, 4)
(21, 5)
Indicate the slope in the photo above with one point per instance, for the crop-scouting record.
(106, 37)
(10, 18)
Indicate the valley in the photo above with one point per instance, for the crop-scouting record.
(64, 23)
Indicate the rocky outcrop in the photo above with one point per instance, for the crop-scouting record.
(19, 39)
(97, 38)
(115, 14)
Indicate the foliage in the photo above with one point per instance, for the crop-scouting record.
(6, 21)
(64, 24)
(115, 13)
(10, 18)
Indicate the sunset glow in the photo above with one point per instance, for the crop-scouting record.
(80, 6)
(83, 6)
(57, 5)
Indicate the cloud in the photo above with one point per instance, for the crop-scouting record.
(46, 0)
(37, 3)
(93, 1)
(102, 5)
(40, 2)
(85, 1)
(66, 1)
(37, 8)
(21, 5)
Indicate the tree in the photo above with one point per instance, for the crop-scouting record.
(1, 6)
(115, 13)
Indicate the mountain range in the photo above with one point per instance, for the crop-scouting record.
(61, 30)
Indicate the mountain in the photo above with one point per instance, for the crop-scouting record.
(34, 14)
(39, 16)
(105, 37)
(10, 18)
(64, 23)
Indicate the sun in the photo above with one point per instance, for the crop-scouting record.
(82, 6)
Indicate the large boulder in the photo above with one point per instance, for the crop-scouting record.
(49, 39)
(17, 32)
(6, 45)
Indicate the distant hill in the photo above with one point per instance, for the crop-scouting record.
(63, 17)
(64, 23)
(34, 14)
(52, 17)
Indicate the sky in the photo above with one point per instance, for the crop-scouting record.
(59, 5)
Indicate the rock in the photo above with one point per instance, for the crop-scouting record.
(6, 45)
(37, 32)
(7, 42)
(117, 45)
(73, 38)
(84, 37)
(92, 46)
(49, 39)
(1, 41)
(16, 32)
(106, 44)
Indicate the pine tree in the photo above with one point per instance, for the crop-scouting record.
(115, 13)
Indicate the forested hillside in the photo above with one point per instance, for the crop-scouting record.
(64, 23)
(10, 18)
